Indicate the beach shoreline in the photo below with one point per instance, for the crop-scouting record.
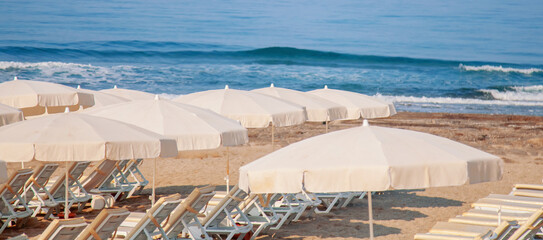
(518, 140)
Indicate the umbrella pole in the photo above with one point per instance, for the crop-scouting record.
(273, 135)
(227, 170)
(370, 212)
(154, 184)
(22, 165)
(326, 126)
(66, 207)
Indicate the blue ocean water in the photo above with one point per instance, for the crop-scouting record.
(430, 56)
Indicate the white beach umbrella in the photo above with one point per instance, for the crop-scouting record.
(10, 115)
(128, 93)
(194, 128)
(102, 99)
(78, 137)
(252, 110)
(36, 97)
(358, 105)
(369, 159)
(318, 109)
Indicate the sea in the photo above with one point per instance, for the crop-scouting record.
(457, 56)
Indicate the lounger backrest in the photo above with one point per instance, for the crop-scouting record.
(530, 227)
(99, 175)
(75, 170)
(63, 229)
(228, 204)
(107, 221)
(155, 216)
(12, 187)
(40, 178)
(188, 209)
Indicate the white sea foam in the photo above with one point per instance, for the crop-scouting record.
(490, 68)
(448, 100)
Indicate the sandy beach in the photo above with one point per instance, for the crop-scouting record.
(518, 140)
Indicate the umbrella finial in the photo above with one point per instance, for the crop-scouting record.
(15, 78)
(271, 85)
(157, 97)
(67, 110)
(365, 123)
(78, 86)
(115, 87)
(325, 86)
(226, 87)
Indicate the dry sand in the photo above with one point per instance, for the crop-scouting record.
(399, 214)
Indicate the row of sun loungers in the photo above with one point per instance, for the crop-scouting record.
(203, 214)
(517, 216)
(30, 192)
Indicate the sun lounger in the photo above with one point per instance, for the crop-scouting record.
(60, 229)
(457, 231)
(131, 169)
(9, 194)
(331, 200)
(222, 218)
(286, 211)
(504, 206)
(494, 215)
(19, 237)
(529, 229)
(259, 213)
(142, 226)
(104, 180)
(185, 217)
(35, 185)
(104, 225)
(76, 192)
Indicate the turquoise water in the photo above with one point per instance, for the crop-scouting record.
(430, 56)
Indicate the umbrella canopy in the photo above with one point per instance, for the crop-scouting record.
(194, 128)
(128, 93)
(33, 96)
(252, 109)
(80, 137)
(103, 99)
(9, 115)
(358, 105)
(369, 158)
(318, 109)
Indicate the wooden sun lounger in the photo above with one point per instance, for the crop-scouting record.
(448, 231)
(61, 229)
(76, 192)
(493, 204)
(222, 218)
(259, 213)
(35, 185)
(143, 225)
(104, 225)
(494, 215)
(9, 195)
(529, 229)
(185, 217)
(103, 180)
(131, 169)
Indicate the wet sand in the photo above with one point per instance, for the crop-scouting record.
(518, 140)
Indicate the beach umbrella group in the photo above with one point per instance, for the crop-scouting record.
(69, 137)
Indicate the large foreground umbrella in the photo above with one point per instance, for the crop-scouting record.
(194, 128)
(252, 110)
(10, 115)
(128, 93)
(78, 137)
(35, 97)
(358, 105)
(369, 159)
(318, 109)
